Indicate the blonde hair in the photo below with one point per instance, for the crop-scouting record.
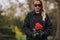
(42, 9)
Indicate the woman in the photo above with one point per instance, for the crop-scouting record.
(37, 25)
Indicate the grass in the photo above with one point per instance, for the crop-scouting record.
(23, 37)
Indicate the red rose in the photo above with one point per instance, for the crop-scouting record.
(38, 26)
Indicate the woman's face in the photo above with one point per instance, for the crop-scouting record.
(37, 6)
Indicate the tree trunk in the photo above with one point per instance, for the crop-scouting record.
(58, 22)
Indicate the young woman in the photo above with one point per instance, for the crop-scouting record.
(37, 24)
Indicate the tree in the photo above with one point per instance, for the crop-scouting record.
(58, 22)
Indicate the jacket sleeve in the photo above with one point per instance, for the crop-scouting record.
(48, 29)
(26, 28)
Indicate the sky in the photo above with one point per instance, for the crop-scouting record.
(5, 3)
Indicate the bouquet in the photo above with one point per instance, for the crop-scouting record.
(37, 30)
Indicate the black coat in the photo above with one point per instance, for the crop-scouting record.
(29, 24)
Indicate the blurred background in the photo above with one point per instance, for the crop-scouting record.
(13, 12)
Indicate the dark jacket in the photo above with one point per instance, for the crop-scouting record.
(29, 24)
